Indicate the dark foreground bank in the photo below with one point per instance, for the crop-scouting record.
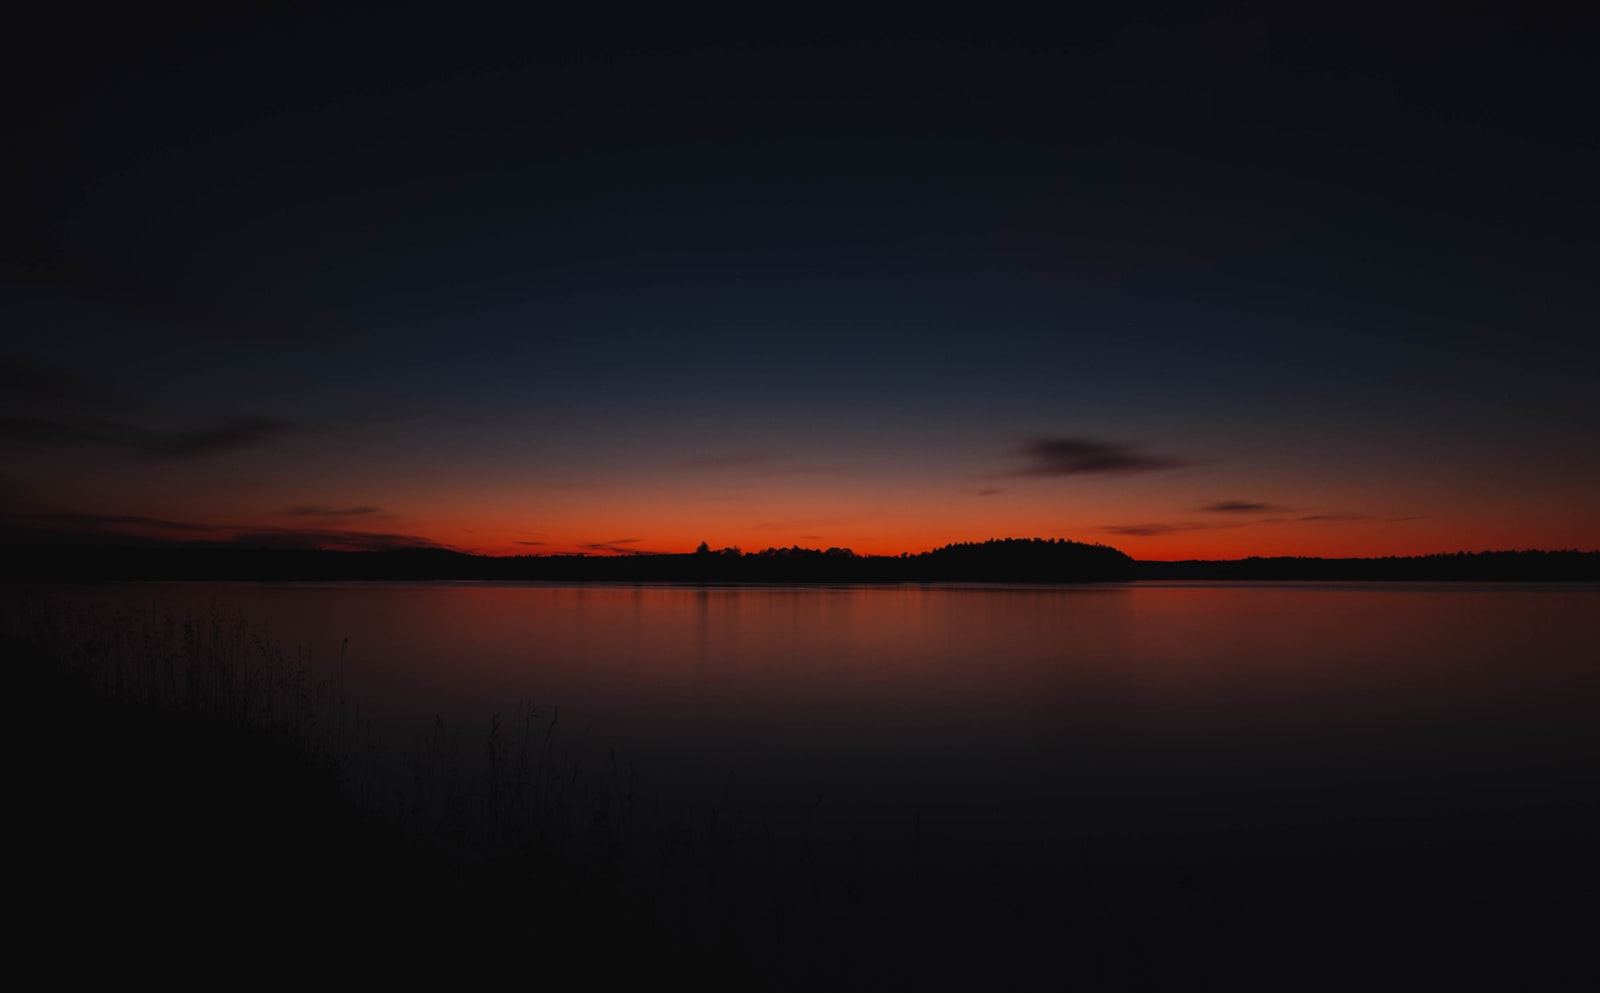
(186, 805)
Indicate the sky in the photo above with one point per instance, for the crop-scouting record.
(1213, 284)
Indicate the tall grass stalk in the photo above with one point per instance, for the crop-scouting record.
(516, 819)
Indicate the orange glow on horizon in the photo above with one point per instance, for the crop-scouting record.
(1149, 519)
(1305, 541)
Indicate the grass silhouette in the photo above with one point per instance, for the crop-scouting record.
(191, 791)
(191, 797)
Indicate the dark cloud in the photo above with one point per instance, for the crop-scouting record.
(329, 538)
(1233, 514)
(317, 510)
(197, 442)
(532, 543)
(214, 439)
(990, 491)
(1241, 507)
(1085, 456)
(91, 524)
(124, 529)
(68, 529)
(1149, 530)
(1168, 527)
(617, 546)
(45, 406)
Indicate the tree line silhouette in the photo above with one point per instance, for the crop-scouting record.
(1008, 560)
(1530, 565)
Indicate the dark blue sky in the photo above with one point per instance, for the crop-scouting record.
(492, 283)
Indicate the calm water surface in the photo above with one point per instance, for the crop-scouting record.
(983, 712)
(1131, 786)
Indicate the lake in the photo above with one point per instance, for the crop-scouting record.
(1165, 766)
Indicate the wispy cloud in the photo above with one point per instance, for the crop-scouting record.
(1241, 507)
(216, 438)
(616, 546)
(73, 522)
(1151, 530)
(47, 407)
(65, 528)
(84, 528)
(1087, 456)
(1233, 514)
(203, 440)
(318, 510)
(331, 538)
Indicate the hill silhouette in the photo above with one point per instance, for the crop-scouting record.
(1008, 560)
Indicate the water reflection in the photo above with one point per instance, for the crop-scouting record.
(1178, 703)
(1167, 780)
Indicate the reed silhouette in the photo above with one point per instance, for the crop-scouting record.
(199, 795)
(187, 790)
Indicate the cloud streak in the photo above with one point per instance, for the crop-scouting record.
(616, 546)
(215, 438)
(1230, 514)
(331, 538)
(1089, 457)
(49, 408)
(65, 528)
(95, 523)
(1241, 507)
(317, 510)
(1151, 530)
